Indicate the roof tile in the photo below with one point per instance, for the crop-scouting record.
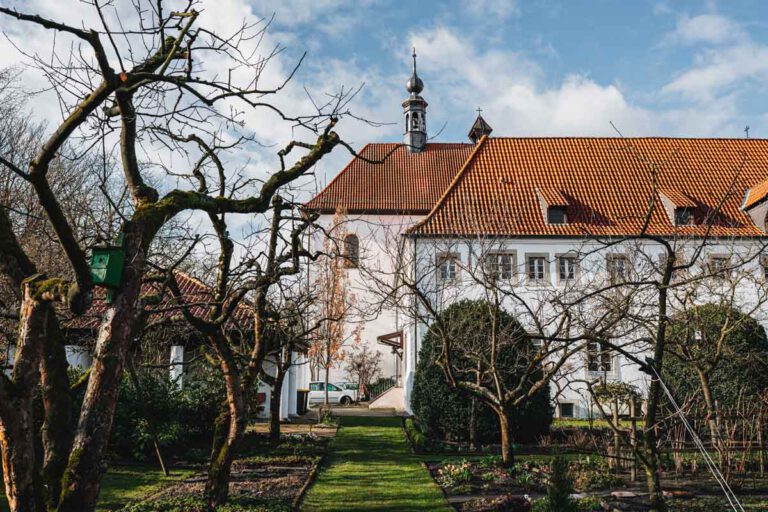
(402, 183)
(606, 181)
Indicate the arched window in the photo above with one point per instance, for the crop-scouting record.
(352, 250)
(407, 119)
(415, 124)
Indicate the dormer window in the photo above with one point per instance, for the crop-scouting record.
(679, 206)
(553, 204)
(555, 215)
(683, 216)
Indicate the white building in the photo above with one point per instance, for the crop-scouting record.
(552, 216)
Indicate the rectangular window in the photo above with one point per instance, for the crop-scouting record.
(316, 386)
(447, 267)
(565, 410)
(599, 358)
(555, 215)
(618, 268)
(566, 268)
(537, 269)
(499, 265)
(718, 266)
(683, 216)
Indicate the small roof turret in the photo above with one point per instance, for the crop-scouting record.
(479, 128)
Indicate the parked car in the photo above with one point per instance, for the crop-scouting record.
(350, 386)
(336, 394)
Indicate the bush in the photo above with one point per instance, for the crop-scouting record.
(442, 412)
(736, 371)
(182, 419)
(560, 488)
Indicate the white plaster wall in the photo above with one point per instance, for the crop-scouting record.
(78, 357)
(593, 270)
(380, 236)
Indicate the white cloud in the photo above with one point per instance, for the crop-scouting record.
(518, 99)
(730, 61)
(706, 28)
(721, 70)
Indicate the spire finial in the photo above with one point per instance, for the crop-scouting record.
(479, 111)
(414, 84)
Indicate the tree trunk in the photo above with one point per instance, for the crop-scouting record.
(507, 456)
(651, 451)
(473, 424)
(274, 406)
(229, 431)
(17, 425)
(713, 421)
(18, 454)
(82, 478)
(57, 430)
(327, 376)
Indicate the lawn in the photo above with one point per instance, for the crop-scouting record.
(123, 484)
(371, 468)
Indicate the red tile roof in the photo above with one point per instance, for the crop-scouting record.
(553, 197)
(195, 294)
(606, 181)
(756, 194)
(403, 183)
(679, 199)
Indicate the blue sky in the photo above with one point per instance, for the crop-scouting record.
(549, 67)
(536, 67)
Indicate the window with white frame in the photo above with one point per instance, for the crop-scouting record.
(500, 265)
(447, 267)
(537, 269)
(567, 267)
(618, 268)
(599, 358)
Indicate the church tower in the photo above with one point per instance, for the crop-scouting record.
(415, 110)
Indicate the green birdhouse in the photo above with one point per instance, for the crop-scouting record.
(107, 265)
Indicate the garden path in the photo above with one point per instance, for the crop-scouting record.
(371, 468)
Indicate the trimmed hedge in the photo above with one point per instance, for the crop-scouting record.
(442, 412)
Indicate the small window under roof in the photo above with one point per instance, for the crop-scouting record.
(553, 204)
(679, 206)
(555, 215)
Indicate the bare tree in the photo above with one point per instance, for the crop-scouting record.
(140, 86)
(363, 366)
(333, 301)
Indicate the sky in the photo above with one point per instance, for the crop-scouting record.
(535, 67)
